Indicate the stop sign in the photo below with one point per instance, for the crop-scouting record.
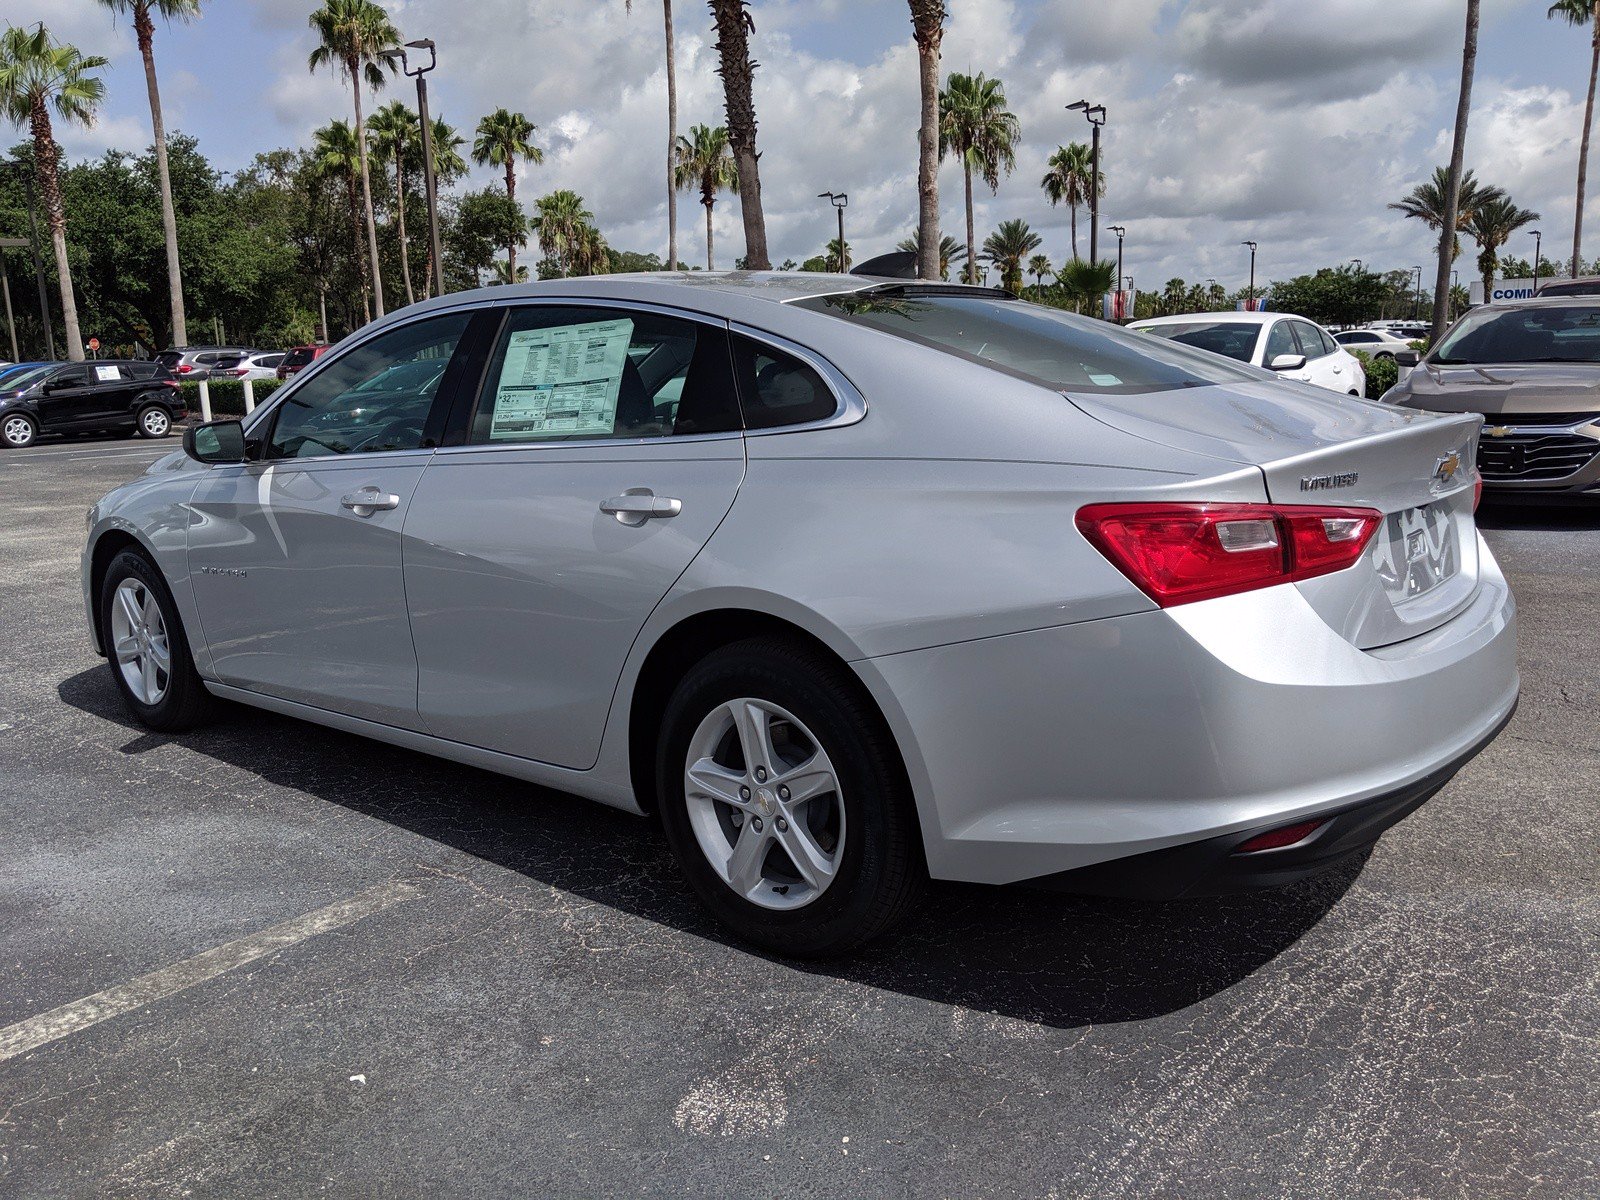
(94, 343)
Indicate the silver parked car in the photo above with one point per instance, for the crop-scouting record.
(854, 582)
(1532, 369)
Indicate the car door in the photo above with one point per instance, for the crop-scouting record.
(295, 556)
(599, 455)
(66, 397)
(1280, 340)
(1324, 365)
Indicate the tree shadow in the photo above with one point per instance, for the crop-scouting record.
(1033, 955)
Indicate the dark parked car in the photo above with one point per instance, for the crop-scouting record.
(299, 358)
(1532, 368)
(139, 397)
(1584, 285)
(197, 362)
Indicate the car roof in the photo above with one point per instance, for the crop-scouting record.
(1542, 301)
(1236, 318)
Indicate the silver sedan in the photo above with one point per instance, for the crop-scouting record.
(853, 582)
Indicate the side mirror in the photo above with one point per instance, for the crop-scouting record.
(1287, 362)
(215, 442)
(1406, 358)
(55, 385)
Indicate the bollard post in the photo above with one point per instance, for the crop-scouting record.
(249, 396)
(205, 401)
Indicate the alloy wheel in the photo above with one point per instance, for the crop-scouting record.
(17, 431)
(155, 422)
(139, 641)
(764, 801)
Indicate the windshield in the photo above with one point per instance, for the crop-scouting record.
(1231, 339)
(1044, 345)
(21, 377)
(1523, 335)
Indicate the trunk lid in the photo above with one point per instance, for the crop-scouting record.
(1313, 447)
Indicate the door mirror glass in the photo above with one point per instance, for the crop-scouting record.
(1407, 357)
(1287, 362)
(215, 442)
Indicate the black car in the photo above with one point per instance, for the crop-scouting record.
(121, 394)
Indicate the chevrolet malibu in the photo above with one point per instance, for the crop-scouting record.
(852, 583)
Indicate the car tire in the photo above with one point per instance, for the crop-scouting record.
(153, 421)
(18, 430)
(172, 697)
(861, 837)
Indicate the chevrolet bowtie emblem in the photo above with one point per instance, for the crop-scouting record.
(1444, 471)
(1496, 430)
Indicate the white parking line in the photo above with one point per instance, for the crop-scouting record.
(61, 1022)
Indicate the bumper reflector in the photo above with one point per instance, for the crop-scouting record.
(1277, 839)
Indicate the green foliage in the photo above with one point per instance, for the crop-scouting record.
(1082, 283)
(1343, 295)
(1382, 373)
(227, 395)
(624, 262)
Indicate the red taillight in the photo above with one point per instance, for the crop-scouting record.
(1277, 839)
(184, 368)
(1179, 553)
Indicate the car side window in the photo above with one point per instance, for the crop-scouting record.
(374, 397)
(1280, 340)
(1310, 338)
(568, 373)
(71, 377)
(777, 389)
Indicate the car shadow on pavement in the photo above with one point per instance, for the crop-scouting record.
(1541, 517)
(1027, 954)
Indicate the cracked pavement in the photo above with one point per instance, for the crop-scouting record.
(547, 1012)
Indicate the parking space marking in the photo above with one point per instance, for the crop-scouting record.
(68, 1019)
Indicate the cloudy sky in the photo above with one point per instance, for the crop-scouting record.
(1288, 122)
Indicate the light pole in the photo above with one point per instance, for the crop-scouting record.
(38, 263)
(1538, 240)
(1096, 116)
(840, 201)
(1251, 294)
(430, 184)
(1416, 304)
(1455, 282)
(1121, 232)
(1358, 264)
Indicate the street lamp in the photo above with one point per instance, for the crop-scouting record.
(1455, 282)
(840, 201)
(1358, 264)
(1251, 295)
(1121, 233)
(1538, 240)
(1096, 116)
(430, 184)
(1416, 304)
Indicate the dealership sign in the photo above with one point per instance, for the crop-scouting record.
(1504, 289)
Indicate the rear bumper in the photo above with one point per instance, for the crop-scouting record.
(1215, 867)
(1041, 753)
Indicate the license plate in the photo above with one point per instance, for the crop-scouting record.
(1419, 551)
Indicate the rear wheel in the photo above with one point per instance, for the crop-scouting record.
(144, 641)
(784, 801)
(153, 421)
(18, 430)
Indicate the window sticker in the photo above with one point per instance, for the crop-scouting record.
(105, 374)
(563, 380)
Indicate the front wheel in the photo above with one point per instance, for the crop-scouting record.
(149, 655)
(153, 421)
(18, 430)
(785, 803)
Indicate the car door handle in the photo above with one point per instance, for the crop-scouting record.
(638, 505)
(369, 500)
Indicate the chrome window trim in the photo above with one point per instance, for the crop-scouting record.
(850, 404)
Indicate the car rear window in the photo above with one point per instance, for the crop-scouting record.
(169, 358)
(299, 357)
(1231, 339)
(1045, 345)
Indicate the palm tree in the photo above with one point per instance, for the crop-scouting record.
(734, 26)
(1449, 239)
(501, 273)
(705, 161)
(831, 252)
(927, 29)
(1491, 225)
(354, 34)
(1007, 246)
(1038, 267)
(1426, 201)
(336, 156)
(394, 126)
(563, 226)
(448, 164)
(503, 138)
(950, 251)
(1085, 282)
(1580, 13)
(974, 123)
(1172, 296)
(1070, 180)
(144, 29)
(36, 75)
(672, 137)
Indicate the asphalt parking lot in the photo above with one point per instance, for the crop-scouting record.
(320, 964)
